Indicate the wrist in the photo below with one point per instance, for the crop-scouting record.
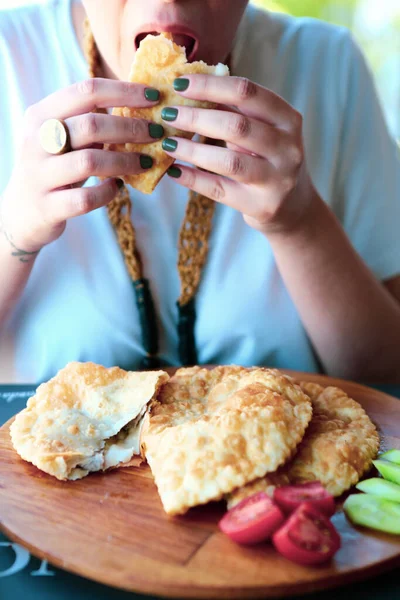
(304, 224)
(23, 250)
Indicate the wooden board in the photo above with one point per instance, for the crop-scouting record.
(111, 528)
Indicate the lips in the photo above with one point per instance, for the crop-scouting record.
(189, 42)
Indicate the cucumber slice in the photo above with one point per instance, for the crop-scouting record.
(392, 456)
(388, 470)
(380, 487)
(374, 512)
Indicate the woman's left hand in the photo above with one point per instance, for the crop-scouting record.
(262, 171)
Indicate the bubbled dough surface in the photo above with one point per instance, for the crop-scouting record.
(211, 431)
(338, 447)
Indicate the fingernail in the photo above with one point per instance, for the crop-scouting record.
(146, 162)
(155, 130)
(151, 94)
(120, 183)
(169, 114)
(181, 84)
(169, 145)
(174, 172)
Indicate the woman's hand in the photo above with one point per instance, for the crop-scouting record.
(262, 171)
(45, 190)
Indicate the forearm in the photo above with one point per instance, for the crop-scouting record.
(15, 268)
(351, 319)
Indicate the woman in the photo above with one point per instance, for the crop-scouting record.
(304, 255)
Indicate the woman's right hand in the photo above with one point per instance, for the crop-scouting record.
(45, 190)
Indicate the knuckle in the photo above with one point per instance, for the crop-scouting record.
(134, 128)
(87, 87)
(296, 154)
(32, 123)
(217, 191)
(192, 117)
(126, 88)
(297, 119)
(87, 200)
(239, 126)
(122, 162)
(246, 89)
(87, 163)
(89, 125)
(191, 179)
(233, 165)
(127, 160)
(30, 116)
(287, 185)
(263, 216)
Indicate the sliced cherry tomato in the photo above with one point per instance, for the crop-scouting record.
(289, 497)
(253, 520)
(308, 537)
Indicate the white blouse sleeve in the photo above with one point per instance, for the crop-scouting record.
(367, 195)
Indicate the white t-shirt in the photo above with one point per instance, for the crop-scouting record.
(79, 303)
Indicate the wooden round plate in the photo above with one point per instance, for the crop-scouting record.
(111, 528)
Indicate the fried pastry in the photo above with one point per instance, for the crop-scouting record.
(87, 418)
(211, 431)
(338, 447)
(157, 62)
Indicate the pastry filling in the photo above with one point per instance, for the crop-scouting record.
(116, 450)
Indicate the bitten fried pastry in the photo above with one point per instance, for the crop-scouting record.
(87, 418)
(157, 62)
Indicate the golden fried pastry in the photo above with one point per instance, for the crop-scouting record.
(157, 62)
(338, 447)
(211, 431)
(87, 418)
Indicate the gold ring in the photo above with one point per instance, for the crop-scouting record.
(54, 137)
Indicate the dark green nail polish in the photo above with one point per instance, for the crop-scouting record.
(151, 94)
(181, 84)
(120, 183)
(146, 162)
(174, 172)
(155, 130)
(169, 145)
(169, 114)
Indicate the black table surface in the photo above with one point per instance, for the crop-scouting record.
(24, 576)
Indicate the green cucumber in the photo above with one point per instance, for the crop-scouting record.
(391, 455)
(388, 470)
(374, 512)
(380, 487)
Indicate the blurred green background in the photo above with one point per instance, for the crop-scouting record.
(376, 27)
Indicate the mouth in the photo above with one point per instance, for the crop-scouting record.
(180, 37)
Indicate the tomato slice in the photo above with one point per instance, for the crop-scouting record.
(253, 520)
(289, 497)
(308, 537)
